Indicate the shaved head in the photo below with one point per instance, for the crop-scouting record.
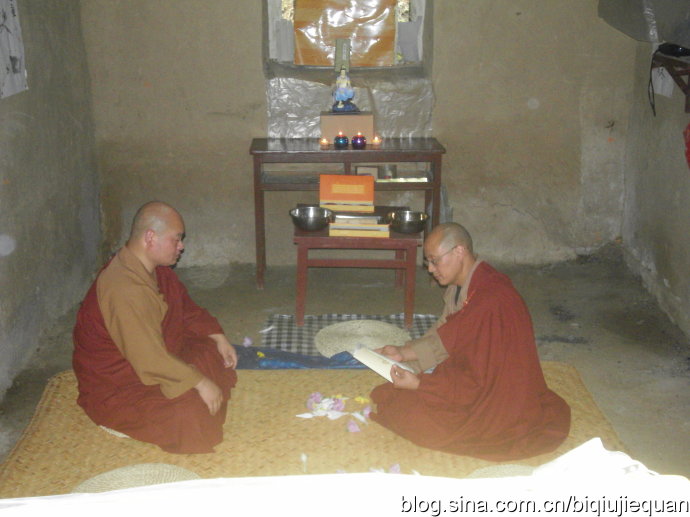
(449, 235)
(157, 235)
(155, 216)
(449, 254)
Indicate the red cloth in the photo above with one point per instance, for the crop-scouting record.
(112, 395)
(488, 399)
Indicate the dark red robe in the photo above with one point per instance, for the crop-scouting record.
(488, 399)
(112, 395)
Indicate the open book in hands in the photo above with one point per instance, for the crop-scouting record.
(378, 362)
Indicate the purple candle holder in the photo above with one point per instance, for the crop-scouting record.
(358, 141)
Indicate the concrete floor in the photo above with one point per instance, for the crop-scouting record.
(591, 313)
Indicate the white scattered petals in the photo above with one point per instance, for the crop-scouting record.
(359, 416)
(334, 408)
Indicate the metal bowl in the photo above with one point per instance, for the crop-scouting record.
(407, 221)
(311, 218)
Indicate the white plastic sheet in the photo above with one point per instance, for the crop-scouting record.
(589, 480)
(12, 67)
(655, 21)
(401, 109)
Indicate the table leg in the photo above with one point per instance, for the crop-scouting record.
(399, 273)
(302, 256)
(259, 225)
(429, 207)
(436, 208)
(410, 274)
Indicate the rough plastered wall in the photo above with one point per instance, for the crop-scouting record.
(532, 104)
(48, 193)
(178, 93)
(657, 196)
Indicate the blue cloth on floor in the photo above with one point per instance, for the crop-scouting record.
(248, 358)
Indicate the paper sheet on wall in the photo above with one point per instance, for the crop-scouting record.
(662, 82)
(12, 69)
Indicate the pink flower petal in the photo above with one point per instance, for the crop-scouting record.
(314, 399)
(352, 427)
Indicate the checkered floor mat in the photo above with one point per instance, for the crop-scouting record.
(281, 332)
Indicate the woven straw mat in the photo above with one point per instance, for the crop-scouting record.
(61, 447)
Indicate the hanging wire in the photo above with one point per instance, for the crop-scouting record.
(650, 85)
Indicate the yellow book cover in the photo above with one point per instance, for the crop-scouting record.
(339, 207)
(341, 219)
(363, 226)
(338, 232)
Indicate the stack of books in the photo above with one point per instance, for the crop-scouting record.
(352, 198)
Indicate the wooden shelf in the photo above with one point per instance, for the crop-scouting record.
(679, 70)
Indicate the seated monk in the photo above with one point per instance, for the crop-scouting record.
(486, 396)
(150, 362)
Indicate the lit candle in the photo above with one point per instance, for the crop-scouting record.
(340, 141)
(358, 141)
(324, 143)
(376, 141)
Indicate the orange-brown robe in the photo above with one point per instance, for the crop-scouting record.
(140, 346)
(488, 398)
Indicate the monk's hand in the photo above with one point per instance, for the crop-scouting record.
(392, 352)
(404, 379)
(226, 350)
(210, 393)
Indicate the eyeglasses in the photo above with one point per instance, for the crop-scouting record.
(434, 261)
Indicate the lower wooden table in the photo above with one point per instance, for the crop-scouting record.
(405, 261)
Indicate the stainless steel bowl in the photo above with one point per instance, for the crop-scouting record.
(407, 221)
(311, 218)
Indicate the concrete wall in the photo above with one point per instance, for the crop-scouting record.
(48, 194)
(532, 103)
(657, 196)
(178, 93)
